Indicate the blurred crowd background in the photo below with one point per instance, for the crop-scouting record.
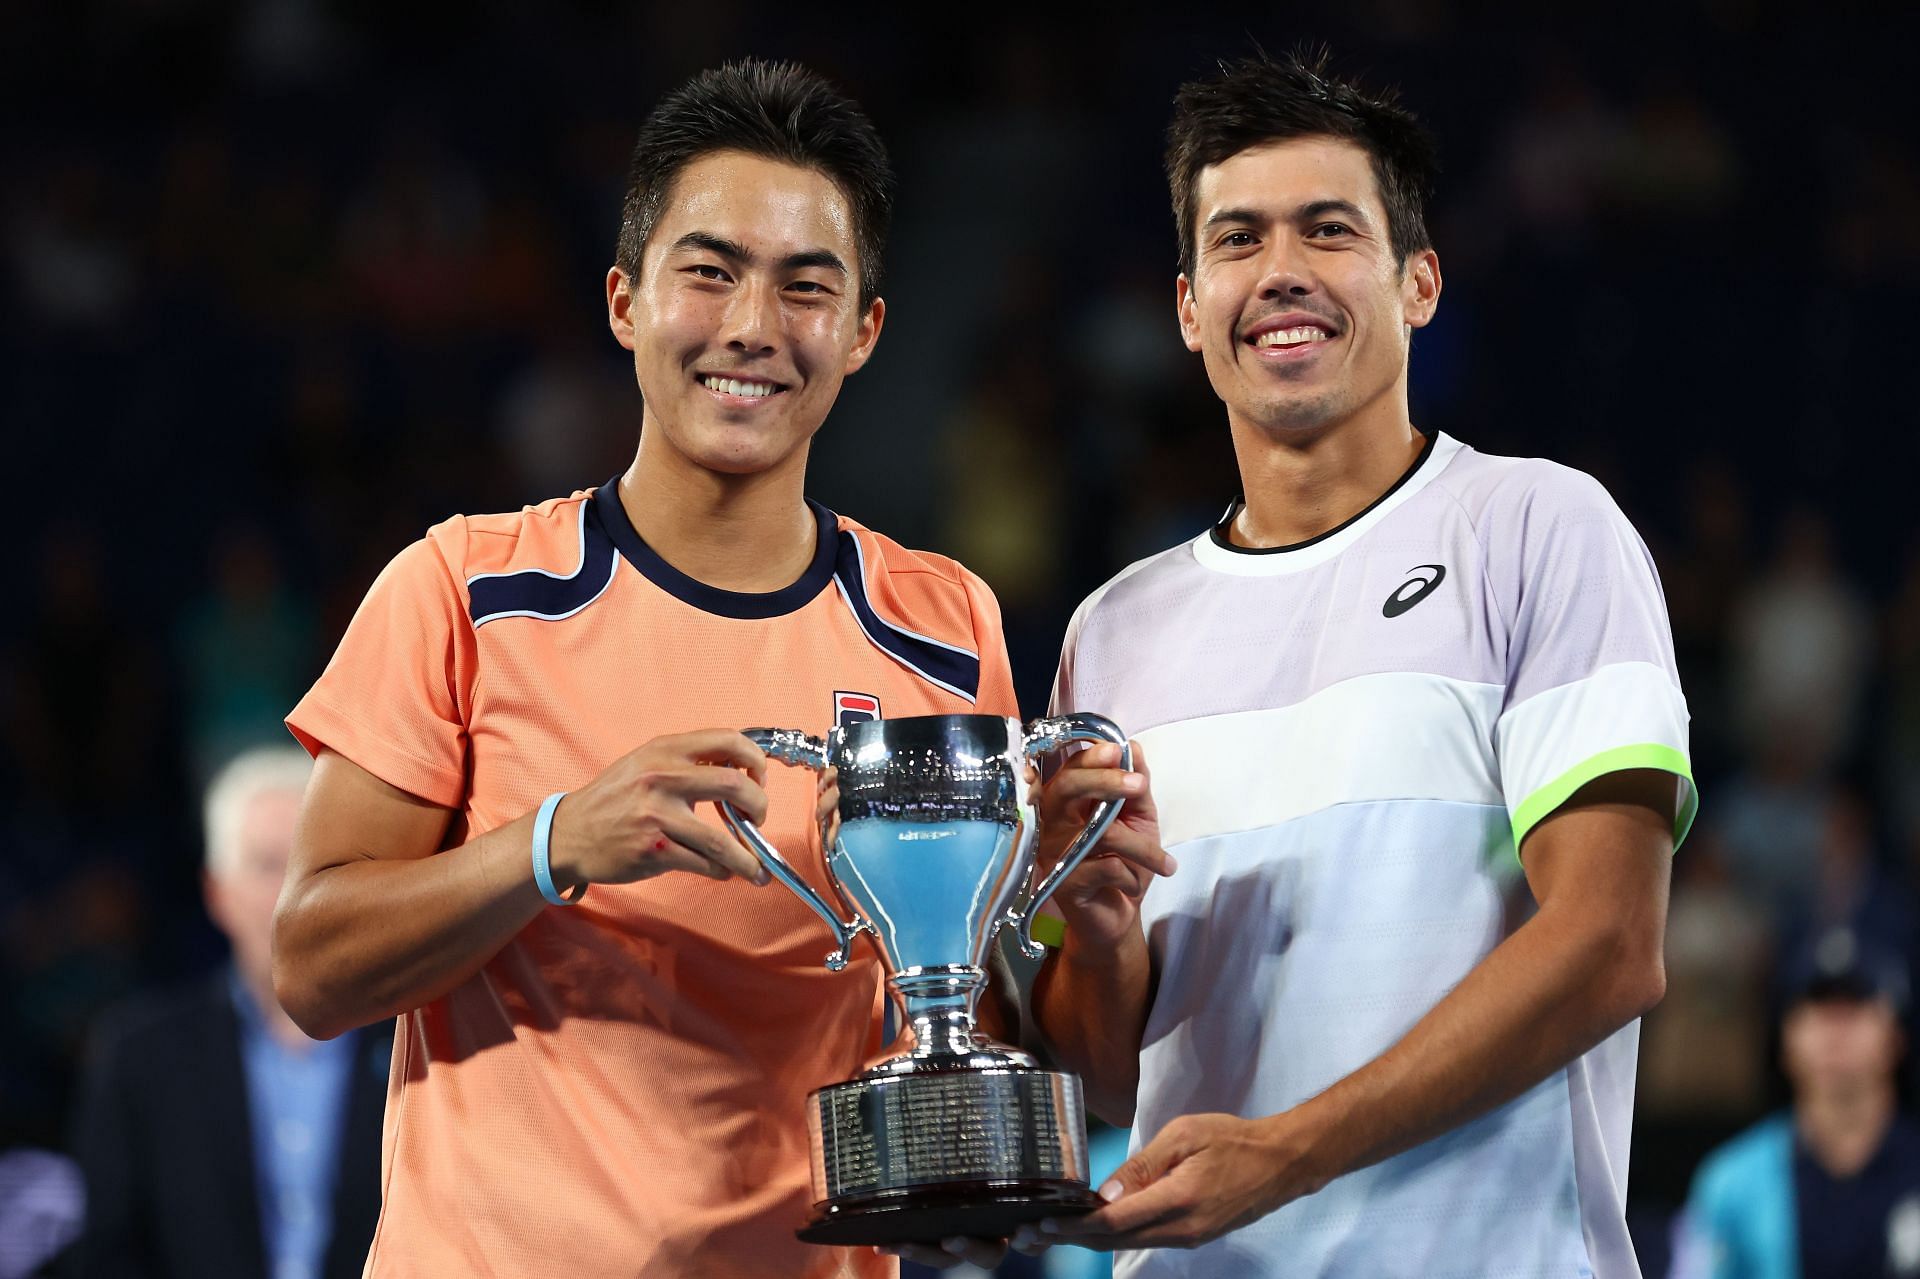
(287, 281)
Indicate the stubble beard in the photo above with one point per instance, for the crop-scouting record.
(1294, 414)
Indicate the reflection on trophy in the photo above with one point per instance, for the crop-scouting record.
(934, 852)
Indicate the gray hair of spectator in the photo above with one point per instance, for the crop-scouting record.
(777, 110)
(1261, 99)
(239, 782)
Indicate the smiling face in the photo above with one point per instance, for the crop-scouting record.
(745, 316)
(1297, 301)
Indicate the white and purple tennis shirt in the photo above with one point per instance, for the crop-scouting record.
(1348, 739)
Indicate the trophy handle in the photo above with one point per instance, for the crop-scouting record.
(1051, 734)
(790, 746)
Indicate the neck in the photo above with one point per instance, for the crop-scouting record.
(1299, 485)
(749, 533)
(1843, 1129)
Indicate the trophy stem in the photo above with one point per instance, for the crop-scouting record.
(939, 1005)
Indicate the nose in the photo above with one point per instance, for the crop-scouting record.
(1282, 274)
(752, 320)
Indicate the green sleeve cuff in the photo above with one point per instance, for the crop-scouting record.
(1539, 805)
(1050, 930)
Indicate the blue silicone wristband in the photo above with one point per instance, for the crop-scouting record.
(542, 870)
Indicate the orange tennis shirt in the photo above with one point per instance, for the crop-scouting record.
(621, 1091)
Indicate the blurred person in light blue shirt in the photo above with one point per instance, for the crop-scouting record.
(215, 1137)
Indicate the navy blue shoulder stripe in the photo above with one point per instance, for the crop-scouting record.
(535, 592)
(748, 605)
(955, 669)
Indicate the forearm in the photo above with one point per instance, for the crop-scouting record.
(370, 938)
(1555, 988)
(1091, 1005)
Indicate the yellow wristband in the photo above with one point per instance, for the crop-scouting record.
(1049, 930)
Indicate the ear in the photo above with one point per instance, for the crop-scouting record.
(620, 307)
(1420, 296)
(867, 337)
(1183, 310)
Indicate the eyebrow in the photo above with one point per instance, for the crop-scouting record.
(1305, 213)
(1321, 208)
(734, 251)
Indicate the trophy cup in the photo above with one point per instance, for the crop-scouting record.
(958, 1135)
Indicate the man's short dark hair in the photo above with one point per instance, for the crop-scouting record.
(779, 110)
(1262, 99)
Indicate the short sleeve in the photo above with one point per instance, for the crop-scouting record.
(995, 695)
(1592, 687)
(397, 696)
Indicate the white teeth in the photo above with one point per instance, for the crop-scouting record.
(1292, 337)
(733, 386)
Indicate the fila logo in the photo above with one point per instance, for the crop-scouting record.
(854, 708)
(1414, 589)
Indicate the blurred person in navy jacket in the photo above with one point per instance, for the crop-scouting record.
(215, 1137)
(1830, 1189)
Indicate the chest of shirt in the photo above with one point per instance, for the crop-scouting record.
(1199, 643)
(554, 703)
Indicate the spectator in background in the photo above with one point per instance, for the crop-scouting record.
(215, 1137)
(1830, 1190)
(1851, 887)
(568, 412)
(244, 651)
(86, 729)
(1802, 642)
(40, 1203)
(1702, 1051)
(1900, 752)
(1772, 815)
(1707, 578)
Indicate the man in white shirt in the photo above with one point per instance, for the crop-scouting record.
(1398, 679)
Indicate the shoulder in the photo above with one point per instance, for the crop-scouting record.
(913, 581)
(1133, 587)
(1762, 1152)
(548, 537)
(880, 554)
(1491, 488)
(495, 559)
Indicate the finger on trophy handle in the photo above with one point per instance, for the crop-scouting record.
(790, 746)
(1043, 736)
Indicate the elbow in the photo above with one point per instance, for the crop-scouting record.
(1646, 987)
(300, 996)
(303, 1005)
(1115, 1110)
(1638, 980)
(1655, 989)
(1615, 970)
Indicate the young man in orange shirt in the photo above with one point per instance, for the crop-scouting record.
(601, 1067)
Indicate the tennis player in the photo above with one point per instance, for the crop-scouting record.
(1418, 748)
(606, 1030)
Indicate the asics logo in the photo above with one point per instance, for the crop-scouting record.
(1415, 589)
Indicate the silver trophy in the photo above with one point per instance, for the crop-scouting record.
(957, 1135)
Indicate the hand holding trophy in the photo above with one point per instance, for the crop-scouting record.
(934, 852)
